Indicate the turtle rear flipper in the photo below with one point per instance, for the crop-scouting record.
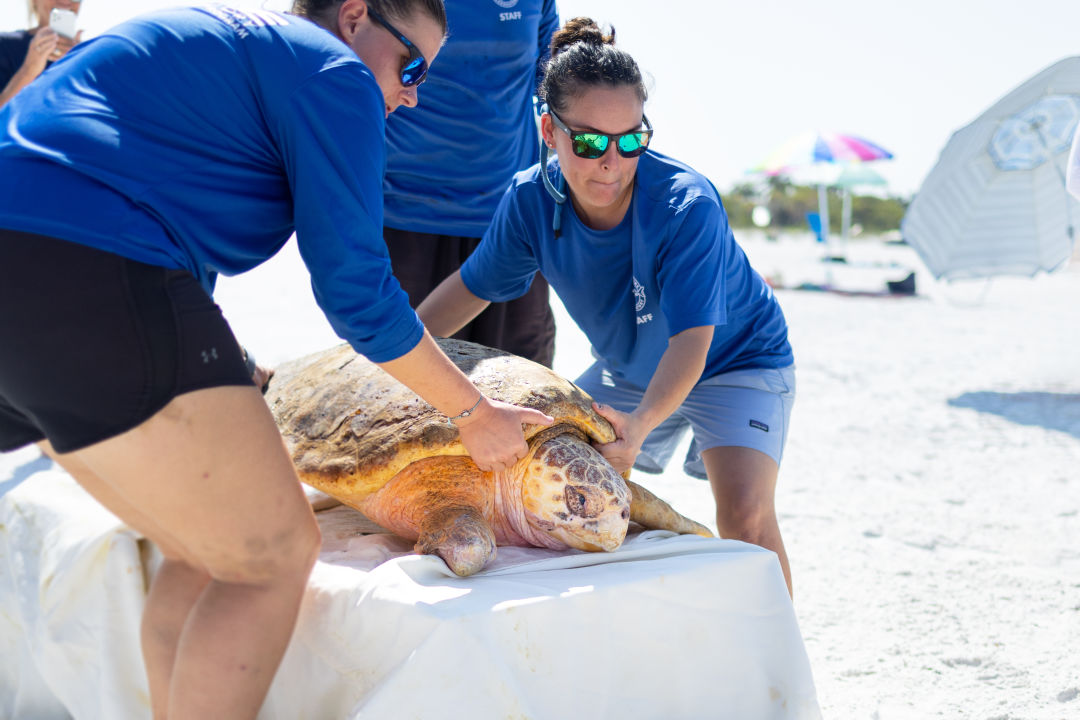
(650, 511)
(460, 536)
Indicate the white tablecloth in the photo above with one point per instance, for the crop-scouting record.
(666, 627)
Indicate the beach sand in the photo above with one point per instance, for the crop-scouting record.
(930, 492)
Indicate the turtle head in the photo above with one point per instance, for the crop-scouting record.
(573, 495)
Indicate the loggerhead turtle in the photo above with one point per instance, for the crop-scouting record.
(363, 438)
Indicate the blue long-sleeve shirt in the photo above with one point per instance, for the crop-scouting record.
(201, 139)
(450, 159)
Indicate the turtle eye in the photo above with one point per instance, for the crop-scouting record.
(583, 501)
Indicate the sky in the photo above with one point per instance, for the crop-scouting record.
(729, 81)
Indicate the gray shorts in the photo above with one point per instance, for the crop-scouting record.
(744, 408)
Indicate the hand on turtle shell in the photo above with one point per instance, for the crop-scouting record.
(261, 377)
(493, 434)
(630, 432)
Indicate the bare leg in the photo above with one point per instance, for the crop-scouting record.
(744, 486)
(172, 593)
(209, 473)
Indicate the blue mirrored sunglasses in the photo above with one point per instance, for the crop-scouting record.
(414, 70)
(592, 145)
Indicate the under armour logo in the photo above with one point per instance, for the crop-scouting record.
(208, 355)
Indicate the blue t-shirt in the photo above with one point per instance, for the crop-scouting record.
(670, 265)
(450, 159)
(201, 139)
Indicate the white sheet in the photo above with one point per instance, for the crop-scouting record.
(71, 594)
(667, 627)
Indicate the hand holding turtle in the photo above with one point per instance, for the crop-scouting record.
(490, 430)
(261, 377)
(630, 433)
(492, 433)
(260, 374)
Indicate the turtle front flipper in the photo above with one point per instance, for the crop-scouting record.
(440, 502)
(650, 511)
(460, 536)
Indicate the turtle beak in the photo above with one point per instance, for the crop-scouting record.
(593, 535)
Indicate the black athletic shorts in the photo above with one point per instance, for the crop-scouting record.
(92, 344)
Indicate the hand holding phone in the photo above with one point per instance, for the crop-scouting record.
(63, 22)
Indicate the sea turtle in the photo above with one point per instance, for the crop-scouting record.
(363, 438)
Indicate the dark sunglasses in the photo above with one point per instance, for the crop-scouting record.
(414, 71)
(591, 145)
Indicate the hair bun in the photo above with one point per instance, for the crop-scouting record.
(580, 30)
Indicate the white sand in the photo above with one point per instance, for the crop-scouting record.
(930, 496)
(930, 493)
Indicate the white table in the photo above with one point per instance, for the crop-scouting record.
(666, 627)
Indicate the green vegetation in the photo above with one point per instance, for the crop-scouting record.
(789, 203)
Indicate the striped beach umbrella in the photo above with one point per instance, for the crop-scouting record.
(816, 148)
(996, 201)
(813, 147)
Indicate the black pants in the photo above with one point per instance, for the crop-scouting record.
(525, 326)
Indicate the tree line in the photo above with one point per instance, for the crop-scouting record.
(789, 203)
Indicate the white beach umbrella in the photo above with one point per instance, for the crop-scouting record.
(996, 203)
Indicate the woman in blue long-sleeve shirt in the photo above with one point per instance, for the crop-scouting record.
(175, 147)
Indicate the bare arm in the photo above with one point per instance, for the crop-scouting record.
(450, 306)
(492, 432)
(679, 370)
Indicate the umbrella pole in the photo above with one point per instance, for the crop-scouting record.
(1064, 182)
(845, 219)
(823, 212)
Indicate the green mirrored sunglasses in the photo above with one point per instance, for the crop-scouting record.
(592, 145)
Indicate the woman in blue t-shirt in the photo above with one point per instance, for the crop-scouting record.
(638, 247)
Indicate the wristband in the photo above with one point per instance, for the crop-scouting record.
(467, 413)
(249, 361)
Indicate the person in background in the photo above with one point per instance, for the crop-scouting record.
(24, 54)
(638, 246)
(449, 162)
(177, 146)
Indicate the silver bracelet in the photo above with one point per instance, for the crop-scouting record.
(467, 413)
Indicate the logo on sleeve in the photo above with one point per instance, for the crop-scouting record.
(241, 21)
(759, 425)
(639, 302)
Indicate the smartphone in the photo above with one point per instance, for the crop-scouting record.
(63, 22)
